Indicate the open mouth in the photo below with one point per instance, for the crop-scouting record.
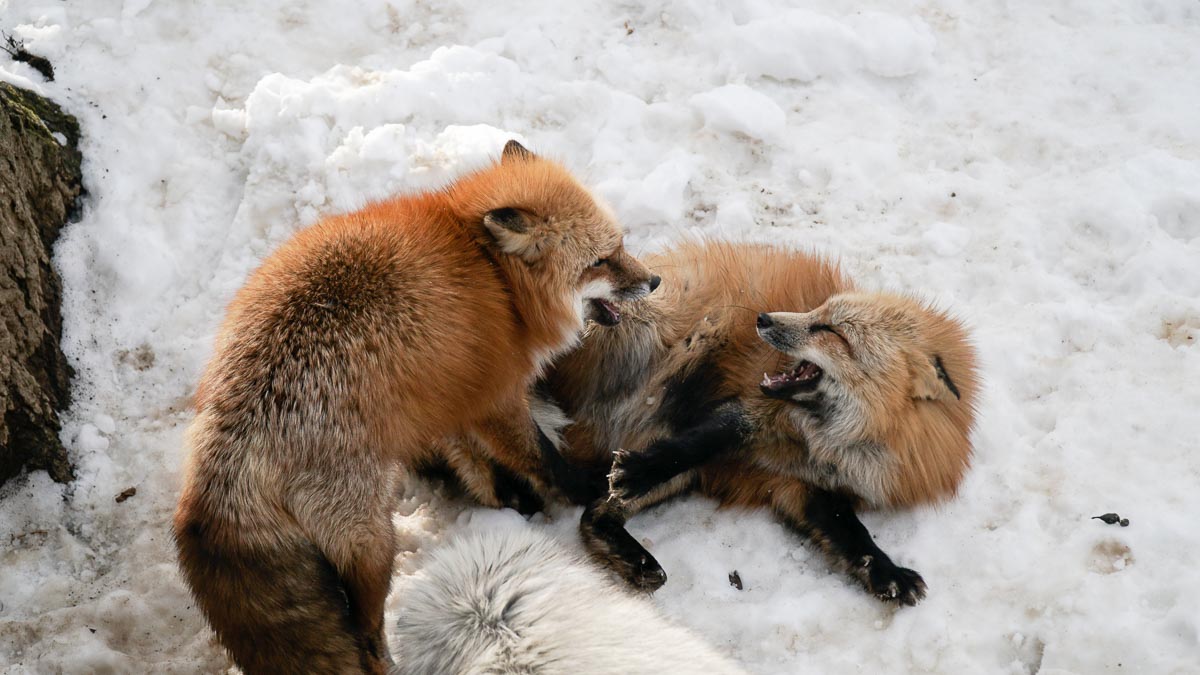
(803, 378)
(603, 312)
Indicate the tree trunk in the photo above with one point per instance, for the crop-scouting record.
(39, 187)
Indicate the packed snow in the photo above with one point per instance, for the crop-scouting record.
(1035, 166)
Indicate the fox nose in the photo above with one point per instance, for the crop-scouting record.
(655, 280)
(765, 320)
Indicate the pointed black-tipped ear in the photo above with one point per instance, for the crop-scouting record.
(507, 218)
(931, 381)
(511, 228)
(515, 151)
(945, 377)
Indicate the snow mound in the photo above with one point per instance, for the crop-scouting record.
(804, 45)
(736, 108)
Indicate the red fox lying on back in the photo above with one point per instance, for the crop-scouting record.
(350, 352)
(868, 399)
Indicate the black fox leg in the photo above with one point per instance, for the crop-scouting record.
(579, 484)
(828, 519)
(602, 528)
(637, 473)
(641, 479)
(466, 464)
(515, 491)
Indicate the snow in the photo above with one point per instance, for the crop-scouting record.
(805, 45)
(736, 108)
(1035, 166)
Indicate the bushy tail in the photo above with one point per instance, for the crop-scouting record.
(517, 602)
(278, 611)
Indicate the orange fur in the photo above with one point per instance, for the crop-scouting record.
(351, 352)
(704, 315)
(872, 403)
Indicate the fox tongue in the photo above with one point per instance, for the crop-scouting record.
(613, 312)
(607, 313)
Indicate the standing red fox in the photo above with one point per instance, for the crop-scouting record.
(350, 352)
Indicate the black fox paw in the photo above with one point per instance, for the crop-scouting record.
(515, 492)
(892, 583)
(631, 476)
(643, 573)
(614, 547)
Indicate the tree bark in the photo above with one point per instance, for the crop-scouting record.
(40, 185)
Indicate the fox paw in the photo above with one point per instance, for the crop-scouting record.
(515, 492)
(648, 575)
(632, 476)
(642, 572)
(892, 583)
(614, 547)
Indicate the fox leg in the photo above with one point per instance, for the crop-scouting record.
(472, 463)
(638, 480)
(828, 519)
(579, 483)
(508, 446)
(635, 474)
(602, 528)
(525, 455)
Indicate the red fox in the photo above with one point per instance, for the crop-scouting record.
(347, 355)
(831, 400)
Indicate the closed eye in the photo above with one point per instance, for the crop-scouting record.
(601, 262)
(826, 328)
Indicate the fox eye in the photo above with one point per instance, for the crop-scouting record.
(826, 328)
(600, 262)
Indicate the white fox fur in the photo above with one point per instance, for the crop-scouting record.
(518, 603)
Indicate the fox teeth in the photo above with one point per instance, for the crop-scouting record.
(766, 380)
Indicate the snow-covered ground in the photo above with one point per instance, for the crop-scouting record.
(1034, 165)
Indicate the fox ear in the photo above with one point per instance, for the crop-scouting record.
(513, 231)
(931, 381)
(515, 151)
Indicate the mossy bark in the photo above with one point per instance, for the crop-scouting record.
(40, 185)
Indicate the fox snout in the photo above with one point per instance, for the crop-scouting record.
(640, 289)
(617, 278)
(785, 331)
(631, 279)
(790, 333)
